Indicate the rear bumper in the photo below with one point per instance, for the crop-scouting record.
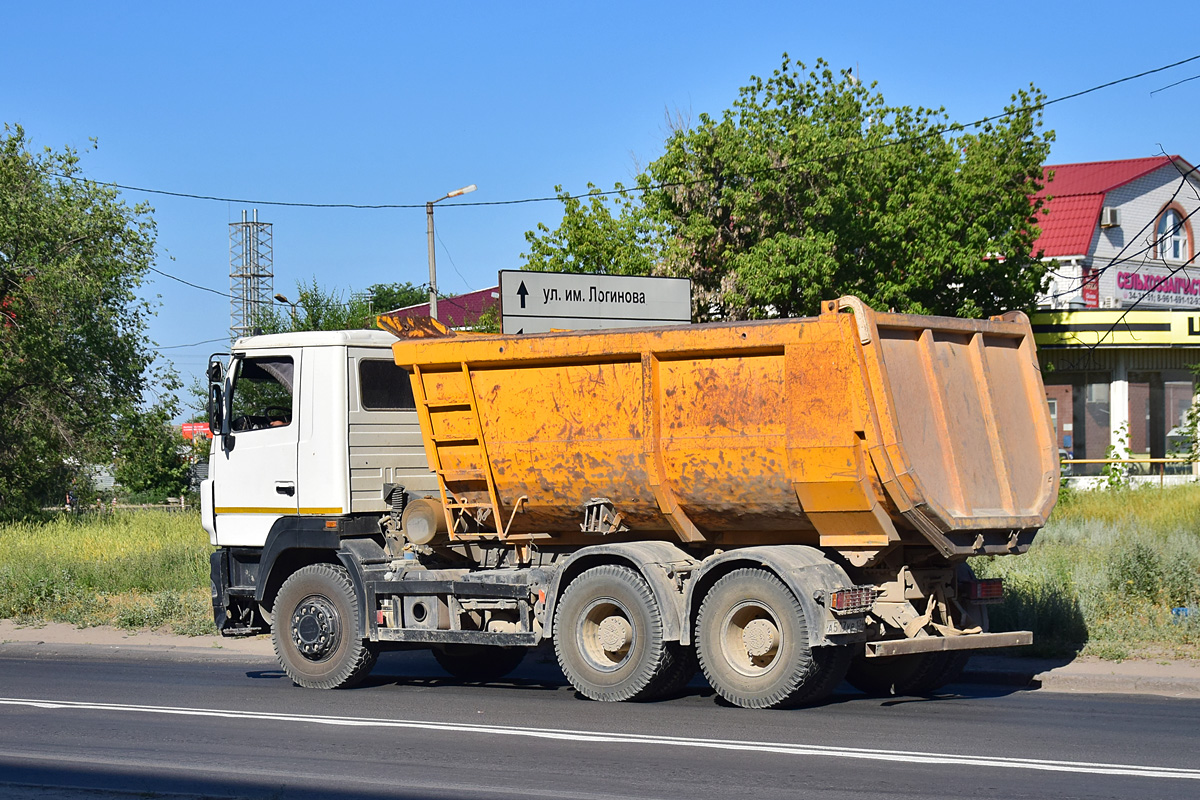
(940, 644)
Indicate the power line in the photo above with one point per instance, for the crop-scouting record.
(188, 283)
(446, 250)
(675, 184)
(193, 344)
(1173, 85)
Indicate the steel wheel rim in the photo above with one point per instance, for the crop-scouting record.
(751, 638)
(606, 635)
(315, 627)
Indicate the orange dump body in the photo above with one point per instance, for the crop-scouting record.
(853, 430)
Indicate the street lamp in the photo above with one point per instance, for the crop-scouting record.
(432, 261)
(283, 299)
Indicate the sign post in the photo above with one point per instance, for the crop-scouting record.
(537, 302)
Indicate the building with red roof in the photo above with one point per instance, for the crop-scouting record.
(460, 311)
(1121, 232)
(1120, 325)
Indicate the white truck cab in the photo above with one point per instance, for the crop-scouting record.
(318, 423)
(309, 430)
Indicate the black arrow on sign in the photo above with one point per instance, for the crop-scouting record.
(522, 292)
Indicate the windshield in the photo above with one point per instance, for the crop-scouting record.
(262, 393)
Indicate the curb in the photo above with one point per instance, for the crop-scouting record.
(1086, 679)
(1091, 683)
(138, 652)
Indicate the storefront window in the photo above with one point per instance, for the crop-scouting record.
(1081, 417)
(1158, 407)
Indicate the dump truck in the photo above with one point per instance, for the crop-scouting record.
(779, 504)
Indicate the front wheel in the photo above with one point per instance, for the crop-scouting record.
(752, 640)
(316, 629)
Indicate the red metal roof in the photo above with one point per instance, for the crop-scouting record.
(1068, 227)
(1076, 195)
(460, 311)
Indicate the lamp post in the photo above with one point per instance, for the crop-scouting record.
(283, 299)
(432, 261)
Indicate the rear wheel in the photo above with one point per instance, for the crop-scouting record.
(477, 662)
(316, 629)
(608, 635)
(752, 640)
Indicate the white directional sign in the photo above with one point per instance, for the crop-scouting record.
(536, 302)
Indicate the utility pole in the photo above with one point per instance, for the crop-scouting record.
(429, 232)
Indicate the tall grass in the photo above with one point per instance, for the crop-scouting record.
(130, 569)
(1102, 577)
(1105, 574)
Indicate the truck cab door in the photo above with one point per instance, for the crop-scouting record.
(254, 468)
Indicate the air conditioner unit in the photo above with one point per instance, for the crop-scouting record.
(1110, 218)
(1110, 302)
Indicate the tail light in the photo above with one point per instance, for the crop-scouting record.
(987, 590)
(855, 600)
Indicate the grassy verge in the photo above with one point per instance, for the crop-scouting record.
(1102, 577)
(129, 569)
(1105, 574)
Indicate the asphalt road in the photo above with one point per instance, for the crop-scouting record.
(74, 726)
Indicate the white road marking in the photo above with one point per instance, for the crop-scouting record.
(776, 748)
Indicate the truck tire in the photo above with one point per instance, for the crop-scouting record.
(752, 639)
(608, 635)
(677, 672)
(316, 632)
(917, 674)
(477, 662)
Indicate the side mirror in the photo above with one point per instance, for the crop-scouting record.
(216, 394)
(216, 408)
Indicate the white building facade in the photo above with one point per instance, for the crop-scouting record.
(1119, 328)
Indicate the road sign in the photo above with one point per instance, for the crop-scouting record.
(536, 302)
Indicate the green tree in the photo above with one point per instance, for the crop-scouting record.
(150, 457)
(73, 350)
(811, 187)
(321, 309)
(318, 309)
(593, 239)
(390, 296)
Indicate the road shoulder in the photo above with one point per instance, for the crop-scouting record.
(1165, 678)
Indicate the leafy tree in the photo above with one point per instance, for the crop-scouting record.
(73, 349)
(592, 239)
(150, 459)
(318, 309)
(811, 187)
(390, 296)
(321, 309)
(489, 320)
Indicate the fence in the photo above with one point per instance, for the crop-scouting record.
(1134, 467)
(172, 504)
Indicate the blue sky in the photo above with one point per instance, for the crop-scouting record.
(399, 103)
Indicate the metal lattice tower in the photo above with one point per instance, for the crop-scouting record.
(251, 275)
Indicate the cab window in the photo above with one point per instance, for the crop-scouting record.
(262, 393)
(384, 386)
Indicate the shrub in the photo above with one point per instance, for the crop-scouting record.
(1105, 573)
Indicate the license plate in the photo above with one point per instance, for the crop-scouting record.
(847, 625)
